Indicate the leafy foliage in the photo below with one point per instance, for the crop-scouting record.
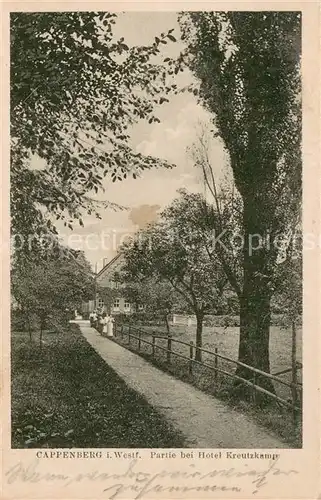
(223, 218)
(158, 298)
(48, 289)
(173, 251)
(108, 294)
(75, 93)
(248, 67)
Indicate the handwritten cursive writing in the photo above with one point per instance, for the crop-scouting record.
(140, 483)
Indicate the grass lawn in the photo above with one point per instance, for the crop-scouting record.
(64, 395)
(275, 417)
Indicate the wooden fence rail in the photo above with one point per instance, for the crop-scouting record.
(238, 363)
(296, 387)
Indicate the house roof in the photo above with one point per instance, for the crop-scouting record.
(109, 264)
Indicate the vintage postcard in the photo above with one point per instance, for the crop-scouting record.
(160, 250)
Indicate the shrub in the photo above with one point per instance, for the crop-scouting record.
(222, 321)
(145, 318)
(18, 321)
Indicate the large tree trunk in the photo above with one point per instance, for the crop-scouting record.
(199, 331)
(255, 317)
(255, 309)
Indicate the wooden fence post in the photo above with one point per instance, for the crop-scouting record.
(169, 349)
(122, 331)
(294, 375)
(139, 336)
(129, 335)
(153, 346)
(191, 354)
(254, 389)
(215, 364)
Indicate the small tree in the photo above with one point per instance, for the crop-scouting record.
(172, 251)
(24, 298)
(47, 289)
(158, 297)
(221, 222)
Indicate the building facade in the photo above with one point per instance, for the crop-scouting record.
(112, 299)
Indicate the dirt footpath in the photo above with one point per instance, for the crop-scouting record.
(205, 421)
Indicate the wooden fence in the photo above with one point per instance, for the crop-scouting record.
(134, 333)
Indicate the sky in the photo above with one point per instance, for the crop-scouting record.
(145, 196)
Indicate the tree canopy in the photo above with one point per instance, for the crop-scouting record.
(75, 92)
(248, 65)
(174, 251)
(46, 290)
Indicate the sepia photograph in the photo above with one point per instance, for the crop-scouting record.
(156, 247)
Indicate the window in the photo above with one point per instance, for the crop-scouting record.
(140, 307)
(100, 303)
(116, 304)
(126, 306)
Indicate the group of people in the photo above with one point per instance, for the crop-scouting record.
(103, 322)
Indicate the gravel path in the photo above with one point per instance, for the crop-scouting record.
(205, 421)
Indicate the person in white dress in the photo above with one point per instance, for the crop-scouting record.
(110, 326)
(94, 319)
(105, 320)
(91, 318)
